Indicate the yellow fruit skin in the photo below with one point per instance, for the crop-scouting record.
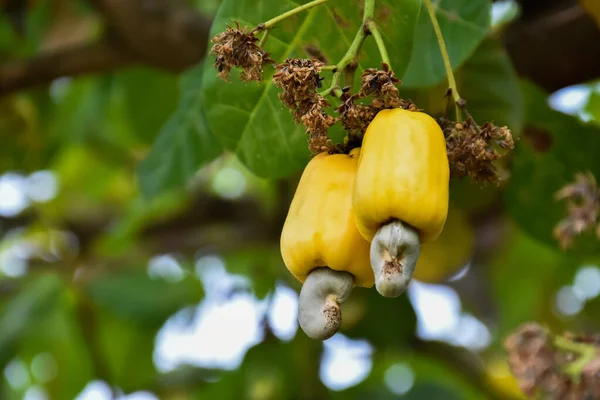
(320, 229)
(450, 252)
(403, 174)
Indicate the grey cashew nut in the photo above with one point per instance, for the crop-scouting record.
(394, 255)
(319, 312)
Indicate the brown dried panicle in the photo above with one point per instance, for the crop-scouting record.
(470, 151)
(237, 48)
(539, 363)
(314, 118)
(583, 207)
(355, 117)
(382, 85)
(530, 356)
(299, 79)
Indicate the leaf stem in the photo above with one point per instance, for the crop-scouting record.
(445, 57)
(264, 37)
(372, 26)
(352, 53)
(329, 68)
(343, 63)
(273, 21)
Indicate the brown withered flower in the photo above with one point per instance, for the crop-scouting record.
(237, 48)
(583, 208)
(382, 85)
(298, 78)
(355, 117)
(314, 117)
(470, 151)
(540, 363)
(319, 142)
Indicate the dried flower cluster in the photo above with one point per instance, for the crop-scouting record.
(470, 151)
(356, 117)
(382, 85)
(299, 79)
(583, 206)
(237, 48)
(540, 364)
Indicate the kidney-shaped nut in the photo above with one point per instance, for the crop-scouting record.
(323, 291)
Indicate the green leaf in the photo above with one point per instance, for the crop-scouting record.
(64, 342)
(134, 296)
(593, 107)
(489, 84)
(150, 97)
(126, 350)
(36, 298)
(556, 146)
(273, 370)
(534, 271)
(464, 24)
(248, 118)
(184, 144)
(263, 265)
(395, 319)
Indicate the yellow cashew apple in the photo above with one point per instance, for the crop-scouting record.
(450, 252)
(403, 174)
(320, 229)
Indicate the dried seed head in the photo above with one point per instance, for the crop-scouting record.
(314, 117)
(583, 207)
(298, 78)
(530, 356)
(355, 117)
(237, 48)
(382, 85)
(540, 364)
(470, 151)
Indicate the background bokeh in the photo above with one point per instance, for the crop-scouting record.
(140, 261)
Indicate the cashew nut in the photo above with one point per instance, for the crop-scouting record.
(319, 312)
(394, 254)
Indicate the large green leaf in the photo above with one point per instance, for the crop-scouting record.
(184, 144)
(134, 296)
(489, 84)
(126, 351)
(273, 370)
(262, 265)
(150, 97)
(37, 297)
(464, 24)
(556, 147)
(395, 319)
(248, 118)
(66, 360)
(533, 272)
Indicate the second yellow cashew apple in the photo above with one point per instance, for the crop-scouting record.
(400, 194)
(320, 244)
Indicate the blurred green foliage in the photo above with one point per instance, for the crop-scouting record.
(149, 164)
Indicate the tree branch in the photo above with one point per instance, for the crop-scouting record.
(554, 44)
(84, 59)
(169, 35)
